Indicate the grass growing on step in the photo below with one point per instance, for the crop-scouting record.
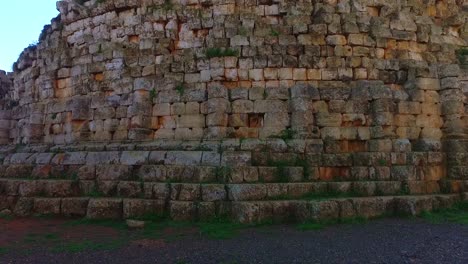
(216, 228)
(274, 33)
(153, 93)
(7, 217)
(461, 55)
(220, 228)
(281, 175)
(223, 173)
(94, 192)
(155, 224)
(180, 89)
(3, 251)
(286, 134)
(318, 225)
(218, 52)
(457, 214)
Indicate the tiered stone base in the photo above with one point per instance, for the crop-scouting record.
(241, 211)
(245, 180)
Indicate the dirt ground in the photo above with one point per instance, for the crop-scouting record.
(395, 240)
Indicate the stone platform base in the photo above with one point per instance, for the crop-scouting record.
(244, 212)
(245, 180)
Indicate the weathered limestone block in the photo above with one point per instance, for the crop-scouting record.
(185, 192)
(139, 207)
(161, 191)
(373, 207)
(105, 208)
(47, 206)
(30, 188)
(87, 172)
(252, 212)
(328, 119)
(81, 108)
(18, 171)
(182, 211)
(246, 192)
(108, 157)
(129, 189)
(413, 206)
(74, 206)
(113, 172)
(324, 210)
(71, 158)
(183, 158)
(60, 188)
(238, 158)
(24, 206)
(134, 157)
(213, 192)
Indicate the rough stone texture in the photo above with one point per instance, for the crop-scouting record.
(104, 209)
(193, 108)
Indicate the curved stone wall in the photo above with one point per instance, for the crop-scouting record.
(272, 98)
(143, 70)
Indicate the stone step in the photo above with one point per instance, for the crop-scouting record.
(271, 145)
(231, 158)
(217, 191)
(242, 211)
(221, 174)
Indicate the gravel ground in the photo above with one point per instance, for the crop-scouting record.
(380, 241)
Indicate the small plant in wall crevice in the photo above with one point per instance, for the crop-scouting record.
(180, 89)
(218, 52)
(153, 93)
(168, 5)
(462, 56)
(274, 33)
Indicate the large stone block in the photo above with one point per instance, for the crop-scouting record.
(213, 192)
(47, 206)
(134, 157)
(134, 208)
(246, 192)
(97, 158)
(104, 208)
(74, 206)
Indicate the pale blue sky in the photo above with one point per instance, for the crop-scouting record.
(22, 22)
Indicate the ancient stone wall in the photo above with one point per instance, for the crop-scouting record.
(6, 86)
(138, 70)
(265, 98)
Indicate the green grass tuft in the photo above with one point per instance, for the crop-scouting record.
(318, 225)
(457, 214)
(274, 33)
(7, 217)
(462, 55)
(180, 89)
(218, 52)
(153, 93)
(286, 134)
(220, 228)
(94, 192)
(3, 251)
